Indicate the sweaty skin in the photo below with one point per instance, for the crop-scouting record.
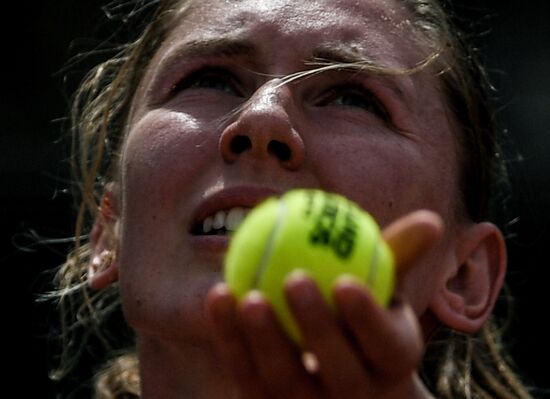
(178, 151)
(214, 126)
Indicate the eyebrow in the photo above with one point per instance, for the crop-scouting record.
(336, 54)
(327, 53)
(225, 47)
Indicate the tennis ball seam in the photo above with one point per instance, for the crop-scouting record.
(268, 249)
(373, 270)
(277, 239)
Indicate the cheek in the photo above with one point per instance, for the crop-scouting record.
(388, 176)
(162, 161)
(164, 153)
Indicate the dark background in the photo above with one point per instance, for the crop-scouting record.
(35, 204)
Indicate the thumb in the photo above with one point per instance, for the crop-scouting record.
(411, 237)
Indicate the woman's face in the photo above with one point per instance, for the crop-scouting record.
(213, 130)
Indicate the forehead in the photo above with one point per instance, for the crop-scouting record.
(311, 13)
(378, 28)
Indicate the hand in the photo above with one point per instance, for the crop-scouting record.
(361, 350)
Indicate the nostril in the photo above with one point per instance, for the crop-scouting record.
(239, 144)
(279, 149)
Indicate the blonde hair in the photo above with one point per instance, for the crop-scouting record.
(455, 366)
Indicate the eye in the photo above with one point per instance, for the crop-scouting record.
(355, 96)
(209, 78)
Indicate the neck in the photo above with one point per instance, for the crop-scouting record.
(180, 370)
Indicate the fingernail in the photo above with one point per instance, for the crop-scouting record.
(348, 280)
(254, 297)
(254, 307)
(297, 276)
(301, 288)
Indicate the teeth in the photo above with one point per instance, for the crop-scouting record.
(207, 224)
(219, 220)
(230, 220)
(234, 218)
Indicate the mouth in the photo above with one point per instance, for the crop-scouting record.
(221, 213)
(222, 222)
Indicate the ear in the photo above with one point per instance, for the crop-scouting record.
(103, 266)
(471, 287)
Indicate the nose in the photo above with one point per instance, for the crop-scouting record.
(263, 129)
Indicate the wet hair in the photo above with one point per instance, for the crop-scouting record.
(456, 365)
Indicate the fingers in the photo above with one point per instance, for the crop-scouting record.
(262, 360)
(390, 340)
(279, 361)
(221, 307)
(340, 370)
(362, 350)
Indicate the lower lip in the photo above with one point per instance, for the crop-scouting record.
(213, 243)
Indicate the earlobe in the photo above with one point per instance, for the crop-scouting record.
(473, 283)
(103, 265)
(102, 270)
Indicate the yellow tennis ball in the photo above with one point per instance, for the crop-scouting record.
(323, 234)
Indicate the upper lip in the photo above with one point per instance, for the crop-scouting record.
(227, 198)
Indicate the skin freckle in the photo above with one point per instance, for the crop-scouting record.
(217, 105)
